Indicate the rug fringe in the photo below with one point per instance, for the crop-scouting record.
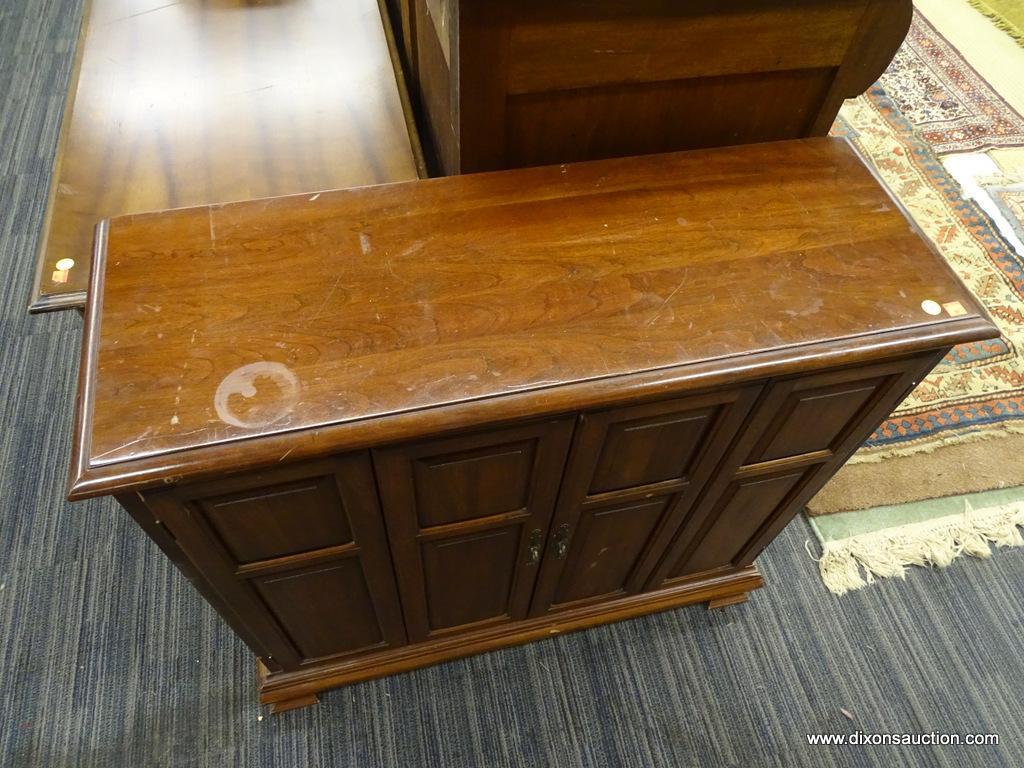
(999, 21)
(854, 562)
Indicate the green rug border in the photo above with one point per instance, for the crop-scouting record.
(843, 525)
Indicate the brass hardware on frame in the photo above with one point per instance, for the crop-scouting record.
(561, 541)
(533, 552)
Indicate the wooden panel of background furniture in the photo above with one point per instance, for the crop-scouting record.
(631, 478)
(309, 573)
(467, 518)
(176, 104)
(555, 81)
(787, 452)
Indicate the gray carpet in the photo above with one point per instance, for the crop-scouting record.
(108, 657)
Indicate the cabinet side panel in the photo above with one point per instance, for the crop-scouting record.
(136, 506)
(337, 598)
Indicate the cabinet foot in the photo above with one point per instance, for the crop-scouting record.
(722, 602)
(277, 707)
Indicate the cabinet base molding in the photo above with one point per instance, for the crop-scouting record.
(298, 702)
(288, 690)
(725, 602)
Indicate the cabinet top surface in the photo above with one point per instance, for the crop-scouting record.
(284, 316)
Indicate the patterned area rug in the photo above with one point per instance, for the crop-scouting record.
(1011, 203)
(962, 429)
(945, 99)
(977, 392)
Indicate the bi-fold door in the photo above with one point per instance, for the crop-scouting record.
(299, 554)
(468, 518)
(472, 520)
(633, 476)
(803, 429)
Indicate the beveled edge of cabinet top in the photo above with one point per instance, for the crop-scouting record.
(515, 274)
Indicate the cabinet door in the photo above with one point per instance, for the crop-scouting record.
(467, 517)
(632, 478)
(801, 432)
(299, 554)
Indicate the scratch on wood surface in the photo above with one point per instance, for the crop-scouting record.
(666, 301)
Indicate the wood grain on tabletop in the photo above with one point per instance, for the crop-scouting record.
(262, 317)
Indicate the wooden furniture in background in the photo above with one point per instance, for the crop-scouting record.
(506, 85)
(189, 103)
(384, 427)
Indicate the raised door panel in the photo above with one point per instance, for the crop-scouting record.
(813, 417)
(800, 433)
(739, 514)
(633, 474)
(299, 552)
(306, 603)
(649, 450)
(467, 517)
(472, 484)
(482, 564)
(607, 548)
(277, 520)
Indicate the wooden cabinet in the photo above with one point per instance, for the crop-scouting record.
(467, 517)
(506, 85)
(518, 404)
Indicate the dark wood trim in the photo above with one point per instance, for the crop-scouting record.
(785, 463)
(82, 442)
(664, 488)
(268, 450)
(403, 90)
(471, 526)
(300, 560)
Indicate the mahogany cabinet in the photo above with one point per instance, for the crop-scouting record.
(506, 85)
(384, 427)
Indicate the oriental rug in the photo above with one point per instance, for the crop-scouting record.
(949, 104)
(1011, 203)
(962, 430)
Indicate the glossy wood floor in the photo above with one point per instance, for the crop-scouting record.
(204, 101)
